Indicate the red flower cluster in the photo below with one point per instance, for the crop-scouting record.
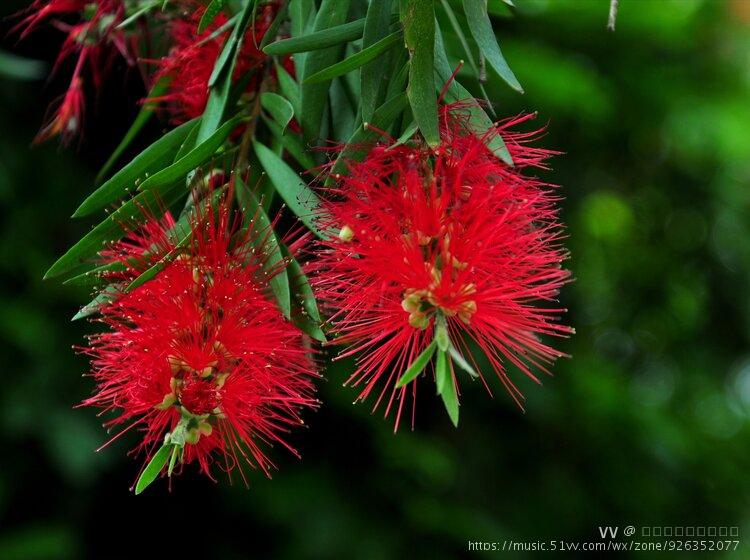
(91, 40)
(191, 60)
(198, 357)
(449, 246)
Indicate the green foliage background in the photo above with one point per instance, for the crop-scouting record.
(647, 424)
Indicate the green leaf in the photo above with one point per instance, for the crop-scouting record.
(208, 17)
(329, 37)
(194, 158)
(377, 22)
(400, 77)
(92, 277)
(355, 61)
(343, 113)
(481, 29)
(144, 115)
(307, 317)
(289, 88)
(417, 365)
(467, 49)
(407, 135)
(419, 32)
(314, 96)
(280, 109)
(273, 29)
(292, 143)
(176, 453)
(462, 362)
(441, 333)
(138, 13)
(265, 240)
(129, 215)
(356, 147)
(301, 16)
(19, 68)
(480, 121)
(442, 371)
(220, 81)
(105, 296)
(228, 52)
(450, 397)
(302, 201)
(154, 467)
(154, 158)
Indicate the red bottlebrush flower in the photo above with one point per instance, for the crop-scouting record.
(68, 117)
(192, 57)
(440, 251)
(198, 357)
(90, 40)
(41, 10)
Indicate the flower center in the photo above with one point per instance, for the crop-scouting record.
(455, 301)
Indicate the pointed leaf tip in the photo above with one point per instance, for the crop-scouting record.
(154, 467)
(417, 365)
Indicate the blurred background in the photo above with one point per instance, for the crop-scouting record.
(647, 424)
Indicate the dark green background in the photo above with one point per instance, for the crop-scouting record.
(647, 424)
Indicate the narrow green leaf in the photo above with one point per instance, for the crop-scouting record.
(301, 16)
(302, 289)
(417, 365)
(343, 113)
(356, 147)
(329, 37)
(93, 306)
(300, 199)
(220, 81)
(228, 52)
(442, 371)
(450, 397)
(314, 96)
(267, 243)
(377, 22)
(407, 135)
(306, 315)
(92, 277)
(209, 15)
(481, 29)
(187, 144)
(460, 34)
(470, 58)
(138, 13)
(144, 115)
(273, 29)
(154, 158)
(400, 76)
(419, 32)
(279, 108)
(129, 215)
(20, 68)
(441, 333)
(462, 362)
(292, 143)
(289, 88)
(194, 158)
(355, 61)
(176, 452)
(154, 467)
(220, 30)
(480, 121)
